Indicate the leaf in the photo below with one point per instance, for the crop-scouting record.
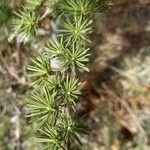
(42, 107)
(40, 71)
(76, 58)
(26, 24)
(71, 91)
(55, 47)
(80, 7)
(50, 136)
(76, 30)
(73, 127)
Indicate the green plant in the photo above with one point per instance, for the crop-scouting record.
(53, 105)
(26, 24)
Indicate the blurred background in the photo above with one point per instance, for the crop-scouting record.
(117, 105)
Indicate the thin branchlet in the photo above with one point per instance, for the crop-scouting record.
(53, 105)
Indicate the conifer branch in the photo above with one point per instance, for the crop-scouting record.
(53, 105)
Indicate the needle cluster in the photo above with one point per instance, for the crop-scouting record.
(53, 105)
